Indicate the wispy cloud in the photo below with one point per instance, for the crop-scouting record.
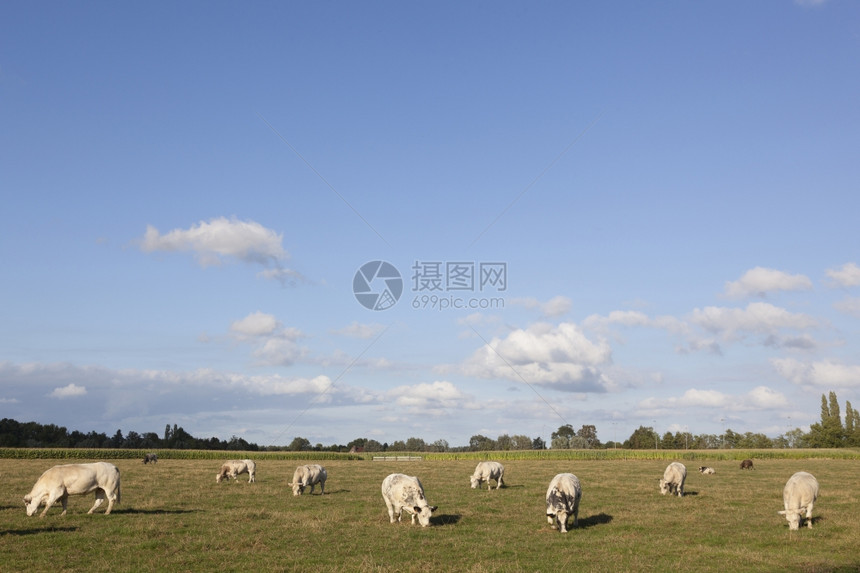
(761, 397)
(848, 275)
(70, 391)
(757, 317)
(823, 373)
(759, 281)
(553, 308)
(359, 330)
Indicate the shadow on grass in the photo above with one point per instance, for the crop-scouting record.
(20, 532)
(335, 492)
(445, 519)
(132, 511)
(592, 520)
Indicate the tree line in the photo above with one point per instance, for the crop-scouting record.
(14, 434)
(830, 432)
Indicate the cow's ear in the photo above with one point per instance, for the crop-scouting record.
(781, 512)
(416, 509)
(433, 508)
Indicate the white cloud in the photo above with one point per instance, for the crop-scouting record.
(439, 394)
(554, 307)
(70, 391)
(849, 306)
(255, 324)
(280, 352)
(213, 241)
(358, 330)
(848, 275)
(561, 357)
(824, 373)
(757, 317)
(759, 281)
(760, 397)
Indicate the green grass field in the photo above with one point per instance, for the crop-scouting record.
(173, 516)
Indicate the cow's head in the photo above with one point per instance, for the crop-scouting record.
(475, 482)
(219, 476)
(793, 517)
(424, 513)
(664, 487)
(32, 504)
(298, 488)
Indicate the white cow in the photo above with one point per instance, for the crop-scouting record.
(308, 475)
(233, 468)
(485, 471)
(798, 496)
(562, 501)
(405, 492)
(673, 479)
(60, 482)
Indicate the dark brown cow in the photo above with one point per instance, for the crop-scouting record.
(747, 465)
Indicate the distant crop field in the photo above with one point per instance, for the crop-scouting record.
(173, 516)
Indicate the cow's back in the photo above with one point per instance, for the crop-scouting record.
(564, 490)
(800, 490)
(401, 488)
(489, 469)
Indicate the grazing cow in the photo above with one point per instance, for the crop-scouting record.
(150, 458)
(673, 479)
(233, 468)
(798, 496)
(406, 492)
(747, 465)
(60, 482)
(707, 471)
(485, 471)
(308, 475)
(562, 501)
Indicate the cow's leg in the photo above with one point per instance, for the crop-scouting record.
(809, 516)
(100, 497)
(499, 483)
(576, 516)
(562, 522)
(52, 497)
(551, 520)
(322, 488)
(390, 507)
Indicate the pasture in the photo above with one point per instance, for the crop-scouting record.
(173, 516)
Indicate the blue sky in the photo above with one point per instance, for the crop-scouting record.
(189, 190)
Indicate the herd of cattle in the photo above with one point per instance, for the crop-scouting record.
(400, 492)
